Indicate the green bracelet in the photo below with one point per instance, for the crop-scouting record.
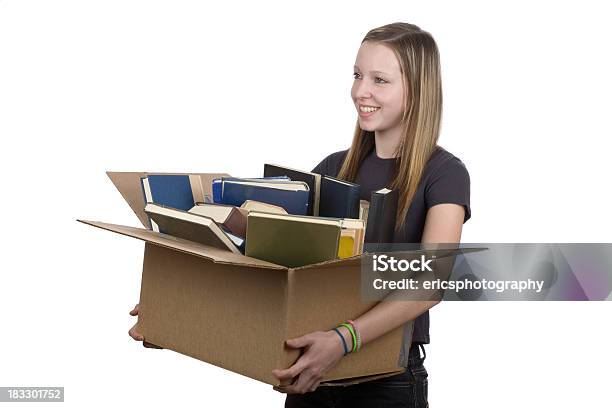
(352, 323)
(350, 329)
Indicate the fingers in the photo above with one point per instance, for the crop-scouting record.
(135, 335)
(280, 388)
(314, 386)
(307, 381)
(311, 382)
(296, 369)
(133, 332)
(150, 345)
(291, 372)
(299, 342)
(134, 312)
(307, 378)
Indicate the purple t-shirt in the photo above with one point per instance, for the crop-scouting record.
(445, 180)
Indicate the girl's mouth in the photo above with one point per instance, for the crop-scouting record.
(367, 111)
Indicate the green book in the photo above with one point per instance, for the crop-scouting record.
(292, 240)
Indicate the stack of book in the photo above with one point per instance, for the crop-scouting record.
(288, 217)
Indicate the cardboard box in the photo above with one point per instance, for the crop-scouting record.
(236, 312)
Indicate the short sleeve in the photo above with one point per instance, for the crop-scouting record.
(330, 166)
(450, 184)
(321, 168)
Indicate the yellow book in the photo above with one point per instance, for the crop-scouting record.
(351, 238)
(346, 246)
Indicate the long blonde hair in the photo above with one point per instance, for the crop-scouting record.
(419, 62)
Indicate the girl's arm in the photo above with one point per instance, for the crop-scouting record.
(323, 350)
(442, 225)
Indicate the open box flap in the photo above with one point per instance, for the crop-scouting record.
(128, 184)
(214, 254)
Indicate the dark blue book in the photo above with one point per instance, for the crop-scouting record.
(216, 191)
(339, 198)
(293, 196)
(216, 185)
(168, 190)
(312, 179)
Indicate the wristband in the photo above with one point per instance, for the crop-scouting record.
(350, 329)
(357, 333)
(343, 342)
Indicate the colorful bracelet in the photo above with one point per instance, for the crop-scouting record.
(357, 333)
(354, 337)
(343, 342)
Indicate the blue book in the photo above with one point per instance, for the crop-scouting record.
(216, 185)
(339, 198)
(168, 190)
(216, 190)
(293, 196)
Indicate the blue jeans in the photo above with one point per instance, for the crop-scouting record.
(408, 389)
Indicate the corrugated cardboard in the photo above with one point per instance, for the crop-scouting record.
(236, 312)
(128, 184)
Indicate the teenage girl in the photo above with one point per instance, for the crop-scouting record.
(397, 93)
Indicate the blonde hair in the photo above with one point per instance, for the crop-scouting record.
(419, 62)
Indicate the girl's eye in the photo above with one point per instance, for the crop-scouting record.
(378, 80)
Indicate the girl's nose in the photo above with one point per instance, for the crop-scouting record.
(363, 90)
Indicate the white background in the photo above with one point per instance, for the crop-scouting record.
(90, 86)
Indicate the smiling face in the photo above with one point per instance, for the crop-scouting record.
(378, 90)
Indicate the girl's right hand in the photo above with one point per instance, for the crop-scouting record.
(134, 333)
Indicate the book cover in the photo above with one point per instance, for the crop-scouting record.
(291, 195)
(250, 205)
(216, 185)
(171, 191)
(352, 237)
(346, 246)
(231, 218)
(339, 198)
(312, 179)
(292, 241)
(193, 227)
(381, 216)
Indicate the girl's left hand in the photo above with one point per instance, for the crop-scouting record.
(322, 351)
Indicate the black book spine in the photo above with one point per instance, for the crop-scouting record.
(381, 218)
(373, 232)
(353, 203)
(390, 209)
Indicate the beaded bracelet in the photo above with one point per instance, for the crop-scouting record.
(343, 342)
(357, 333)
